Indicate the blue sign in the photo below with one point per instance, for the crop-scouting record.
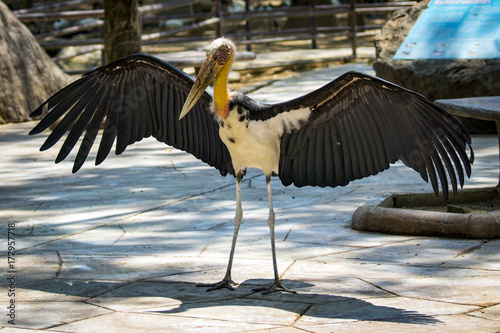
(455, 29)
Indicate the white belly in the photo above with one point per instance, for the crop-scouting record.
(253, 144)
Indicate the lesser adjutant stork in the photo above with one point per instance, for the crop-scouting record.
(353, 127)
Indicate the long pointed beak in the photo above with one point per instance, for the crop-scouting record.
(207, 74)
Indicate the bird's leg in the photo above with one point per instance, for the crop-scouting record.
(276, 285)
(227, 282)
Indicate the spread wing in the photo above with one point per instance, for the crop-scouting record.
(357, 125)
(133, 98)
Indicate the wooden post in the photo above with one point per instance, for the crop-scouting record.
(314, 44)
(217, 13)
(247, 25)
(123, 29)
(498, 134)
(102, 33)
(352, 19)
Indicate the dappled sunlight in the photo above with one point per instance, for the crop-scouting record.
(170, 297)
(134, 235)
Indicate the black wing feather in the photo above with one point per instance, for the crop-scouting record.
(110, 127)
(70, 118)
(338, 157)
(364, 124)
(90, 135)
(79, 127)
(329, 156)
(134, 97)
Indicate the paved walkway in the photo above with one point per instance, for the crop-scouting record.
(120, 247)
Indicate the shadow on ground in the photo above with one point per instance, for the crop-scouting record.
(175, 297)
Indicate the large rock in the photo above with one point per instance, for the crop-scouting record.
(435, 79)
(27, 75)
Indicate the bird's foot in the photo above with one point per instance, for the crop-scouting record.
(225, 283)
(274, 287)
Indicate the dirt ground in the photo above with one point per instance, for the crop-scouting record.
(472, 207)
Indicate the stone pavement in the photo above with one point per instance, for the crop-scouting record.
(120, 247)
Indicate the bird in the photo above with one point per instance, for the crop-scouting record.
(353, 127)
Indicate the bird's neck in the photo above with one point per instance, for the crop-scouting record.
(222, 95)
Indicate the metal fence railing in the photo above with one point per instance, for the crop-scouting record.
(244, 24)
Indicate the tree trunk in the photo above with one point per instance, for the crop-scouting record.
(123, 28)
(27, 75)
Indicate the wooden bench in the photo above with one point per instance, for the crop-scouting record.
(484, 108)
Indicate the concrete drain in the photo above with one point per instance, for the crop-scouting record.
(473, 213)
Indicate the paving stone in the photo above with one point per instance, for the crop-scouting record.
(336, 266)
(241, 311)
(484, 257)
(36, 267)
(476, 290)
(120, 247)
(342, 236)
(448, 324)
(47, 314)
(24, 330)
(157, 322)
(147, 296)
(491, 312)
(314, 290)
(394, 309)
(430, 252)
(277, 330)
